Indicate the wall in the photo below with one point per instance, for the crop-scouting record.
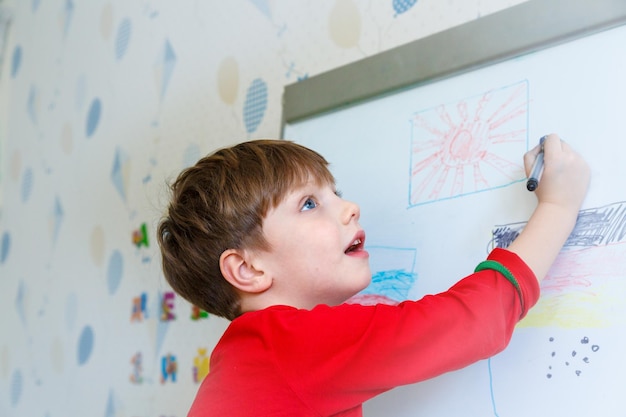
(102, 103)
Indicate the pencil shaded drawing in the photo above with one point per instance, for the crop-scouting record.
(578, 284)
(579, 293)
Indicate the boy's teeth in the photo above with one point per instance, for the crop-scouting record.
(354, 245)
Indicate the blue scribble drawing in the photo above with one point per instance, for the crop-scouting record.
(469, 146)
(394, 285)
(393, 276)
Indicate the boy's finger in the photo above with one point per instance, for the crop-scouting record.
(529, 158)
(552, 143)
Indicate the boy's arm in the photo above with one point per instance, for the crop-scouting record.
(560, 194)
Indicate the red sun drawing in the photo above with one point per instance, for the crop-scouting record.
(473, 145)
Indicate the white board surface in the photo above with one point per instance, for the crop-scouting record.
(437, 171)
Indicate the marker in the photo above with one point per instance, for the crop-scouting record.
(537, 170)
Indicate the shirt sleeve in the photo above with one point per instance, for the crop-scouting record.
(526, 285)
(339, 357)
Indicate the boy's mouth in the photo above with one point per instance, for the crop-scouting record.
(357, 243)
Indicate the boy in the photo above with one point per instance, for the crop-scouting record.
(258, 234)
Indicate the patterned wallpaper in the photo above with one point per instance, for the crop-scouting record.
(105, 101)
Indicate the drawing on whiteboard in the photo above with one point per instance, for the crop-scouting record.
(568, 357)
(469, 146)
(575, 289)
(573, 359)
(392, 279)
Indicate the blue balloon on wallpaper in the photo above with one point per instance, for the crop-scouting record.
(5, 245)
(16, 61)
(85, 345)
(123, 38)
(27, 184)
(255, 104)
(401, 6)
(114, 272)
(16, 387)
(110, 408)
(93, 116)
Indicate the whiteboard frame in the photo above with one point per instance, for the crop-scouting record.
(518, 30)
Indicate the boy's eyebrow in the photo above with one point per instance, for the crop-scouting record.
(305, 190)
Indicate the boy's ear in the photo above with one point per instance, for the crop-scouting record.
(238, 270)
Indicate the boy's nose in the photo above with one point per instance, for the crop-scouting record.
(351, 210)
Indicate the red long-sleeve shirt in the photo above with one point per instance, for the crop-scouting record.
(327, 361)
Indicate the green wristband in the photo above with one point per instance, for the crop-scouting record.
(497, 266)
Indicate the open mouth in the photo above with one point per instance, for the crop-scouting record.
(356, 245)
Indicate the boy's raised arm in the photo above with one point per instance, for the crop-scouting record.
(560, 195)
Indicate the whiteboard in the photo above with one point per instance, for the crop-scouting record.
(437, 171)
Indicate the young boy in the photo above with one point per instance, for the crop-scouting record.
(258, 234)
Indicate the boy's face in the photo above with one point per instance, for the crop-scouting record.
(317, 251)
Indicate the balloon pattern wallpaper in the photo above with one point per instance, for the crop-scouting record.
(102, 104)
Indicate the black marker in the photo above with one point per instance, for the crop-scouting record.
(537, 170)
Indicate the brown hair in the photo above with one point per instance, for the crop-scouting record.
(220, 203)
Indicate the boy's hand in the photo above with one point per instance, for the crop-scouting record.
(565, 176)
(560, 194)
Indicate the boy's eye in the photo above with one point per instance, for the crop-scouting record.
(309, 204)
(338, 193)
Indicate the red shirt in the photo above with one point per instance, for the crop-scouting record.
(327, 361)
